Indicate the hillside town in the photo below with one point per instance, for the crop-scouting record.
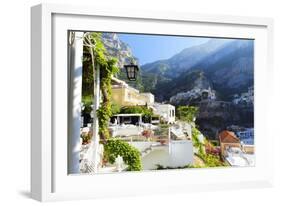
(164, 141)
(194, 94)
(246, 98)
(125, 124)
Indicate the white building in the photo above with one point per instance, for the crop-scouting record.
(236, 157)
(173, 151)
(193, 94)
(208, 94)
(148, 98)
(247, 140)
(245, 98)
(166, 111)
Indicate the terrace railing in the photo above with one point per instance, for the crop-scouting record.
(161, 135)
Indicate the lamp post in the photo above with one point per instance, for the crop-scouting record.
(132, 71)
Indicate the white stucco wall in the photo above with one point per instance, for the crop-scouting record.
(157, 156)
(141, 146)
(164, 110)
(180, 154)
(148, 98)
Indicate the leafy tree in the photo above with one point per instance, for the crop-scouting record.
(187, 113)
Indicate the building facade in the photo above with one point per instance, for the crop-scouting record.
(125, 95)
(227, 140)
(247, 140)
(166, 111)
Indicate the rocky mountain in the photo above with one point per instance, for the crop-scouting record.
(195, 80)
(221, 68)
(215, 116)
(231, 67)
(122, 51)
(117, 48)
(224, 65)
(183, 61)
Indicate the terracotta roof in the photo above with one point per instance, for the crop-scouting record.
(228, 137)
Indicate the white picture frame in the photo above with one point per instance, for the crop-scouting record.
(49, 178)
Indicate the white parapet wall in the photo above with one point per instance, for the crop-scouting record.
(141, 146)
(179, 153)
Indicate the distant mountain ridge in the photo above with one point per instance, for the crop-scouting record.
(227, 67)
(221, 67)
(184, 60)
(224, 65)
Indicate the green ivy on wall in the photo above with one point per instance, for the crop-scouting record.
(108, 68)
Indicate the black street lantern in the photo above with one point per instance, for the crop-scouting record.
(132, 71)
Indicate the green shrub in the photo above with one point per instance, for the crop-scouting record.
(187, 113)
(130, 155)
(196, 142)
(212, 160)
(115, 108)
(146, 112)
(214, 142)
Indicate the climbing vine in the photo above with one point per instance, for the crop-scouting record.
(130, 154)
(108, 68)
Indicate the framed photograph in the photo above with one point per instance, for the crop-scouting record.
(137, 102)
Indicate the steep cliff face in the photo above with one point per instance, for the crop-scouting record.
(193, 83)
(231, 69)
(122, 51)
(116, 48)
(217, 115)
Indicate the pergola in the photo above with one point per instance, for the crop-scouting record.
(128, 115)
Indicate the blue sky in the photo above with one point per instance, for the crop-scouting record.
(150, 48)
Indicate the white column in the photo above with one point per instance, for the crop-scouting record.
(75, 94)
